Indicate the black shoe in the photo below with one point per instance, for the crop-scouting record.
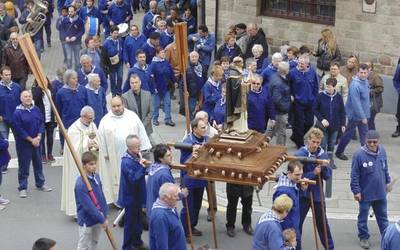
(156, 123)
(196, 232)
(170, 123)
(334, 166)
(230, 231)
(209, 217)
(341, 157)
(142, 247)
(396, 134)
(354, 137)
(48, 45)
(249, 230)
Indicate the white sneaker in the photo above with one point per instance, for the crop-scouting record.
(2, 207)
(4, 201)
(23, 194)
(44, 188)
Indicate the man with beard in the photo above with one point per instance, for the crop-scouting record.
(115, 126)
(140, 69)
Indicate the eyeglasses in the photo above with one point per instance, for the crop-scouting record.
(372, 141)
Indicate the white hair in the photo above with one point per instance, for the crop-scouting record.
(166, 189)
(257, 47)
(85, 57)
(92, 76)
(283, 68)
(277, 56)
(304, 58)
(203, 115)
(130, 138)
(68, 74)
(86, 110)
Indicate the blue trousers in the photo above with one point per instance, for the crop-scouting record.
(116, 75)
(380, 210)
(304, 208)
(303, 120)
(5, 132)
(194, 198)
(167, 106)
(348, 134)
(73, 50)
(27, 153)
(132, 228)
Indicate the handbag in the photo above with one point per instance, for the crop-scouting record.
(114, 59)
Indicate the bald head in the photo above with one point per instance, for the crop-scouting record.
(252, 29)
(26, 98)
(117, 106)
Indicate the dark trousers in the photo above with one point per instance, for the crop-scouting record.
(132, 228)
(135, 5)
(116, 78)
(21, 81)
(27, 153)
(380, 210)
(398, 113)
(303, 120)
(47, 136)
(348, 134)
(194, 199)
(371, 120)
(234, 192)
(47, 28)
(304, 208)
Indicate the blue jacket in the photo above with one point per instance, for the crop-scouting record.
(4, 154)
(211, 95)
(267, 73)
(224, 50)
(259, 110)
(279, 91)
(304, 85)
(187, 181)
(150, 51)
(83, 77)
(132, 188)
(357, 105)
(218, 114)
(97, 100)
(331, 108)
(143, 75)
(87, 212)
(268, 233)
(118, 13)
(74, 27)
(158, 174)
(166, 38)
(161, 74)
(308, 168)
(69, 103)
(131, 45)
(291, 189)
(396, 79)
(190, 24)
(204, 46)
(370, 174)
(114, 47)
(195, 80)
(9, 100)
(391, 237)
(61, 32)
(57, 85)
(293, 63)
(262, 63)
(165, 229)
(147, 18)
(27, 122)
(85, 12)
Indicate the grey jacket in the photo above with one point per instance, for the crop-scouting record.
(147, 107)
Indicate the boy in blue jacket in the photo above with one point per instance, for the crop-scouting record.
(369, 184)
(92, 218)
(268, 234)
(212, 90)
(331, 116)
(316, 172)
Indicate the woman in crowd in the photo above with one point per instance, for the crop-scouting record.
(327, 52)
(229, 48)
(375, 94)
(260, 57)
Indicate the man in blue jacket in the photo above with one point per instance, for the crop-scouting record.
(96, 97)
(92, 218)
(204, 43)
(88, 68)
(140, 68)
(304, 89)
(72, 29)
(396, 84)
(119, 12)
(268, 233)
(195, 187)
(319, 173)
(133, 193)
(165, 230)
(149, 15)
(132, 44)
(271, 69)
(28, 127)
(149, 47)
(288, 184)
(369, 184)
(9, 99)
(357, 110)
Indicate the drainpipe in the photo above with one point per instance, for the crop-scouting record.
(216, 22)
(202, 9)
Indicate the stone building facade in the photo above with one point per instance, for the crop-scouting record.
(373, 37)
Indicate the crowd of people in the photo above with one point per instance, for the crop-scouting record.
(322, 105)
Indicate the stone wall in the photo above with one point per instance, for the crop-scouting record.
(373, 37)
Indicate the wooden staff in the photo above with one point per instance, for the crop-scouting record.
(210, 194)
(37, 70)
(313, 219)
(321, 192)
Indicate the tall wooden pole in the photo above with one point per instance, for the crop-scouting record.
(34, 63)
(322, 198)
(313, 219)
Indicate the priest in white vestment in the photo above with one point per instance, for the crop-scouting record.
(115, 126)
(84, 137)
